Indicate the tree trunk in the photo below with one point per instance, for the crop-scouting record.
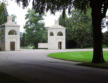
(97, 33)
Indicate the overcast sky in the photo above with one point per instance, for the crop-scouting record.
(17, 10)
(13, 8)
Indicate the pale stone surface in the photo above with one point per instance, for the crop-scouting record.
(6, 39)
(53, 41)
(42, 45)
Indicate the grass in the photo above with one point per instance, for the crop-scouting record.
(5, 78)
(27, 47)
(73, 56)
(85, 57)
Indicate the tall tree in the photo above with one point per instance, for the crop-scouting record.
(99, 8)
(3, 13)
(35, 31)
(78, 28)
(23, 39)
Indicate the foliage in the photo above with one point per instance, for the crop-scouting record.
(3, 13)
(105, 38)
(35, 31)
(23, 39)
(42, 5)
(78, 28)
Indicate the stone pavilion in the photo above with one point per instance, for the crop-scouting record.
(10, 36)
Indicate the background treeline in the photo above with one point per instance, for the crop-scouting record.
(35, 32)
(78, 30)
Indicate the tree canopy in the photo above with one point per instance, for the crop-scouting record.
(78, 28)
(42, 5)
(45, 5)
(35, 31)
(3, 13)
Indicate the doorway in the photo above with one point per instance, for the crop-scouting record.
(59, 45)
(12, 46)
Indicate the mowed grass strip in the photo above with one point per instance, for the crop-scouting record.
(83, 56)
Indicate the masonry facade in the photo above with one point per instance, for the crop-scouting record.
(10, 37)
(56, 37)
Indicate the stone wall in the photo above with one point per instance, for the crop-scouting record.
(42, 45)
(54, 40)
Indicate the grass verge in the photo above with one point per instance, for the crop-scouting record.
(84, 56)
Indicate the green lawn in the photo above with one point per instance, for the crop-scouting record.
(84, 57)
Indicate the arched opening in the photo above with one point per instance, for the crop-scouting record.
(59, 34)
(51, 34)
(59, 45)
(12, 32)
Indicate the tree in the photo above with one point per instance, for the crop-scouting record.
(3, 13)
(78, 28)
(35, 31)
(98, 7)
(23, 39)
(105, 38)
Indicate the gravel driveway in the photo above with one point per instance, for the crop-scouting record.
(35, 67)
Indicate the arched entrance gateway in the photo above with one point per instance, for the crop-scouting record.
(56, 37)
(59, 45)
(11, 36)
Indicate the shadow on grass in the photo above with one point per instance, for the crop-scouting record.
(5, 78)
(101, 66)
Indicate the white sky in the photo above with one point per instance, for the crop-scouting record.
(13, 8)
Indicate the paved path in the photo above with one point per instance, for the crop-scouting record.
(35, 67)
